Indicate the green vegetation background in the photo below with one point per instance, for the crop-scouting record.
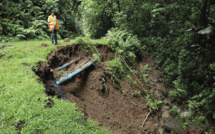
(186, 57)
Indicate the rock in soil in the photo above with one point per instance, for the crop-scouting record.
(172, 125)
(66, 40)
(149, 127)
(44, 45)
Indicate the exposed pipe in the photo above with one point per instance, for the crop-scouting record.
(59, 91)
(69, 76)
(82, 64)
(67, 64)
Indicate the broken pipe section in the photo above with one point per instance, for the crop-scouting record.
(70, 75)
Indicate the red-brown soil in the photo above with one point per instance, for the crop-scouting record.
(120, 113)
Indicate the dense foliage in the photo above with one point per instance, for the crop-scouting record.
(27, 19)
(180, 34)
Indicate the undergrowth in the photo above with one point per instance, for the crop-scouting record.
(116, 70)
(188, 67)
(87, 45)
(127, 46)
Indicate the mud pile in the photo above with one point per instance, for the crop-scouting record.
(94, 93)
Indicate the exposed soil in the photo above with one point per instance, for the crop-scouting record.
(95, 95)
(20, 124)
(154, 79)
(49, 103)
(192, 131)
(3, 47)
(109, 107)
(44, 45)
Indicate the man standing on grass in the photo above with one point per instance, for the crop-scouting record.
(53, 27)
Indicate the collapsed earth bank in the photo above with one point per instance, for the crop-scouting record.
(95, 95)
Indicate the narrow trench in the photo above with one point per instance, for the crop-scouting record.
(94, 93)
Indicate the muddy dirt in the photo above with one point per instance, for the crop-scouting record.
(192, 131)
(95, 95)
(49, 103)
(123, 114)
(19, 125)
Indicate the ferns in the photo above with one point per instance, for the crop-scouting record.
(125, 44)
(178, 94)
(116, 70)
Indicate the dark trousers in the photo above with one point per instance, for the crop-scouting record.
(52, 34)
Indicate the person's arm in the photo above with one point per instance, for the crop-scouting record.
(49, 23)
(57, 26)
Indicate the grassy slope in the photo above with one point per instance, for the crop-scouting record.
(22, 96)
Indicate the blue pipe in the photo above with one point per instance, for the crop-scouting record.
(59, 91)
(65, 65)
(63, 79)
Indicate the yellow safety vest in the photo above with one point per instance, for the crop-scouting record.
(51, 23)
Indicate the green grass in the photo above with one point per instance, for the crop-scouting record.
(100, 41)
(22, 96)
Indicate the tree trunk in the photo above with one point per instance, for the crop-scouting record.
(203, 21)
(118, 4)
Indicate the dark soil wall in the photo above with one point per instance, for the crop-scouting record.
(107, 106)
